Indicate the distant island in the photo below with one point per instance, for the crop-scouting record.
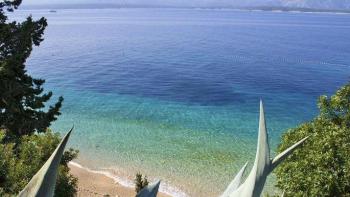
(296, 9)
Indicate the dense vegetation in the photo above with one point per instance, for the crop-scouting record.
(322, 166)
(18, 165)
(21, 97)
(25, 141)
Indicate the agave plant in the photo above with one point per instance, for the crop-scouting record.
(263, 165)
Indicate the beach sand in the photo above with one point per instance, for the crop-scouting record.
(92, 184)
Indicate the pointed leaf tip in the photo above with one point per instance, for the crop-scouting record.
(263, 149)
(235, 182)
(280, 157)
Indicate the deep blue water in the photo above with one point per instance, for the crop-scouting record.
(175, 93)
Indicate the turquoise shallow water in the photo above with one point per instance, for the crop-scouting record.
(190, 146)
(175, 93)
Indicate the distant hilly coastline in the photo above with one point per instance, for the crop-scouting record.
(247, 8)
(296, 9)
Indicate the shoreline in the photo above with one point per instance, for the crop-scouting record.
(103, 183)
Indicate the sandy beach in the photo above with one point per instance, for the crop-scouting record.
(95, 184)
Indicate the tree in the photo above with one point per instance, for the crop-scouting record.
(25, 144)
(22, 97)
(322, 167)
(140, 182)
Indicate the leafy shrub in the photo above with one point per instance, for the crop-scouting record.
(19, 163)
(322, 167)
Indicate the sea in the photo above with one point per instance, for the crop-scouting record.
(174, 93)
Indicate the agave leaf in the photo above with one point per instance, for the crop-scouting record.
(235, 183)
(283, 155)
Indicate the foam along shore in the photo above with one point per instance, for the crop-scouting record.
(96, 183)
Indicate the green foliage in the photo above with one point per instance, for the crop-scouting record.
(322, 166)
(23, 150)
(269, 195)
(337, 107)
(18, 165)
(22, 98)
(66, 185)
(140, 182)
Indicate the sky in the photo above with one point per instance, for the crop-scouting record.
(325, 4)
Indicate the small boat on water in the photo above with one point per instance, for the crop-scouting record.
(52, 11)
